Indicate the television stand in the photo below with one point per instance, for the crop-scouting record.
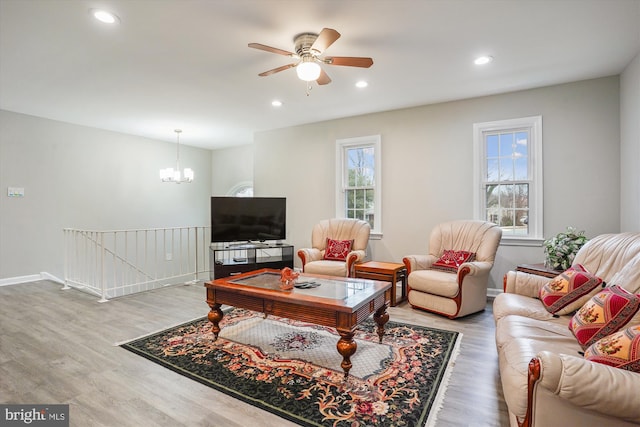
(249, 244)
(232, 244)
(229, 259)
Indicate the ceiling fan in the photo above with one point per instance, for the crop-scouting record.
(309, 48)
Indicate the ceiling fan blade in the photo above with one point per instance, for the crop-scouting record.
(277, 70)
(349, 61)
(325, 39)
(324, 78)
(271, 49)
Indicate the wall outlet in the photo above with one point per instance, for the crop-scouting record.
(168, 257)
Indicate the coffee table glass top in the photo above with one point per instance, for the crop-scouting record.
(317, 287)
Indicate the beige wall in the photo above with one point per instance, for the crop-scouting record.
(76, 176)
(427, 166)
(630, 146)
(86, 178)
(231, 167)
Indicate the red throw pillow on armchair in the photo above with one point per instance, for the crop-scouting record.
(337, 250)
(451, 260)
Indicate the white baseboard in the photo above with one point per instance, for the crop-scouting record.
(49, 276)
(493, 292)
(30, 278)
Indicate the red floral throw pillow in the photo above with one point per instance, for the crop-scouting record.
(451, 260)
(569, 290)
(605, 313)
(620, 350)
(337, 250)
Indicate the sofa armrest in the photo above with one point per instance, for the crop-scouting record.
(309, 254)
(609, 391)
(418, 262)
(356, 257)
(353, 258)
(476, 268)
(518, 282)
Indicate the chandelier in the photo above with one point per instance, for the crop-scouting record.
(174, 175)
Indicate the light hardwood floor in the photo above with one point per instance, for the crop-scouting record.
(60, 347)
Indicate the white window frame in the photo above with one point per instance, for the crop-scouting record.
(342, 145)
(534, 125)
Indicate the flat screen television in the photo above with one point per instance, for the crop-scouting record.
(247, 219)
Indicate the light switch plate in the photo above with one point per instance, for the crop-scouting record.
(15, 192)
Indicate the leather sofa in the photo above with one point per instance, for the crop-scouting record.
(545, 379)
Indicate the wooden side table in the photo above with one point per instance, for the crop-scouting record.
(385, 271)
(538, 269)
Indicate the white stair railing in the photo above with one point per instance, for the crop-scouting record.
(115, 263)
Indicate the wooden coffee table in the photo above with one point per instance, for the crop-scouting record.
(340, 303)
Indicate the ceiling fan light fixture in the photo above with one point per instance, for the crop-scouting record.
(308, 70)
(309, 47)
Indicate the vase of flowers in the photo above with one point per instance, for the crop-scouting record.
(561, 250)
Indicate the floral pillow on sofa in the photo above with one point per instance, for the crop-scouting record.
(569, 290)
(605, 313)
(620, 350)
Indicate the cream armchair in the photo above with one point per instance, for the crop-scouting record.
(337, 229)
(464, 290)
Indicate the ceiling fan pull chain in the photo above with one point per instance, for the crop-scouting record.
(309, 87)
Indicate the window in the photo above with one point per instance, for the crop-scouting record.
(508, 177)
(358, 178)
(243, 189)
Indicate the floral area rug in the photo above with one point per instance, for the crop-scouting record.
(292, 368)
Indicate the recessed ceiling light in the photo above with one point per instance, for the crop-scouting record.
(276, 103)
(362, 84)
(104, 16)
(482, 60)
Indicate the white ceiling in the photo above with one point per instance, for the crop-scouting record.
(185, 64)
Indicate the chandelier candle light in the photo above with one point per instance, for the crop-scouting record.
(174, 175)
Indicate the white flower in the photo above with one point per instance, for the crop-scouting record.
(380, 408)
